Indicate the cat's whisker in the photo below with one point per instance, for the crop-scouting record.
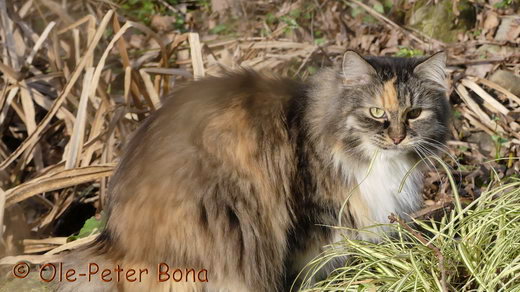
(422, 159)
(427, 155)
(440, 147)
(437, 146)
(431, 153)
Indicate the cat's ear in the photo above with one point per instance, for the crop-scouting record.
(433, 69)
(356, 71)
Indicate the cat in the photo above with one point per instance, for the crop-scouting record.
(237, 177)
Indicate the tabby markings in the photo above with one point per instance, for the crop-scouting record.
(389, 96)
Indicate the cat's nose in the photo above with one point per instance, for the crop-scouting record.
(398, 139)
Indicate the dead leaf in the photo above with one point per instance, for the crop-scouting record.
(162, 23)
(491, 21)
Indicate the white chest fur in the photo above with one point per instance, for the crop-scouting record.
(391, 185)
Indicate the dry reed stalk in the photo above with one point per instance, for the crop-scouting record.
(55, 181)
(32, 138)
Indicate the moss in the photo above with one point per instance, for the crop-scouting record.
(439, 21)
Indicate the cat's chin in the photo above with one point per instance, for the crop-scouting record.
(394, 153)
(389, 152)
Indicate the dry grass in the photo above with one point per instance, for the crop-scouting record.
(78, 79)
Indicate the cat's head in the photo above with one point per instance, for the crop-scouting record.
(394, 105)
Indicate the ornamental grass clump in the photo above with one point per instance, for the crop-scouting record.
(471, 248)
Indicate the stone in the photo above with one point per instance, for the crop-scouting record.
(509, 28)
(508, 80)
(439, 21)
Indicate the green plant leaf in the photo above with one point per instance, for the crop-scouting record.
(91, 226)
(379, 8)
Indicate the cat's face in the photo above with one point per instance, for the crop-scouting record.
(394, 105)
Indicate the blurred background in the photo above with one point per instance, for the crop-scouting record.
(77, 77)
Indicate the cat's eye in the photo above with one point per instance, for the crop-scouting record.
(377, 112)
(414, 114)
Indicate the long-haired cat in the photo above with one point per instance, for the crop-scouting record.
(237, 177)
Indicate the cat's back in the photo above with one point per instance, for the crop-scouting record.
(215, 125)
(254, 96)
(205, 183)
(244, 95)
